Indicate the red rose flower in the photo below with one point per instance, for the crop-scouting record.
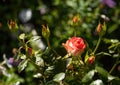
(75, 46)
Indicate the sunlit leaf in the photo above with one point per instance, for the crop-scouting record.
(22, 65)
(86, 57)
(88, 77)
(39, 61)
(97, 82)
(34, 38)
(22, 56)
(114, 41)
(68, 62)
(22, 36)
(110, 77)
(38, 75)
(50, 68)
(59, 77)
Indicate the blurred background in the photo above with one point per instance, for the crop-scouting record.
(58, 15)
(30, 15)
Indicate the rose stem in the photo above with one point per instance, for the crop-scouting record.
(117, 62)
(49, 46)
(98, 43)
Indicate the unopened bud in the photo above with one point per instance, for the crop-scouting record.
(101, 29)
(12, 25)
(91, 60)
(45, 31)
(75, 19)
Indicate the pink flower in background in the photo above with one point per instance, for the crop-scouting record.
(75, 46)
(109, 3)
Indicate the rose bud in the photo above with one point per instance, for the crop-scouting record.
(45, 31)
(75, 19)
(101, 29)
(75, 46)
(91, 60)
(12, 25)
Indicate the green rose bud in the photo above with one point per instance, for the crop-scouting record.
(12, 25)
(45, 31)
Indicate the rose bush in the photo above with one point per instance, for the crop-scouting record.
(75, 46)
(40, 58)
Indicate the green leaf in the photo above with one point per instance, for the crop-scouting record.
(113, 28)
(59, 77)
(116, 55)
(22, 65)
(114, 45)
(49, 69)
(39, 61)
(102, 72)
(110, 77)
(22, 36)
(86, 57)
(22, 56)
(38, 75)
(34, 38)
(88, 77)
(104, 26)
(114, 40)
(97, 82)
(103, 53)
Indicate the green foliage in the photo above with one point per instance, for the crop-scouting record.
(59, 77)
(88, 77)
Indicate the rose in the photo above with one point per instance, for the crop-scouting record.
(75, 46)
